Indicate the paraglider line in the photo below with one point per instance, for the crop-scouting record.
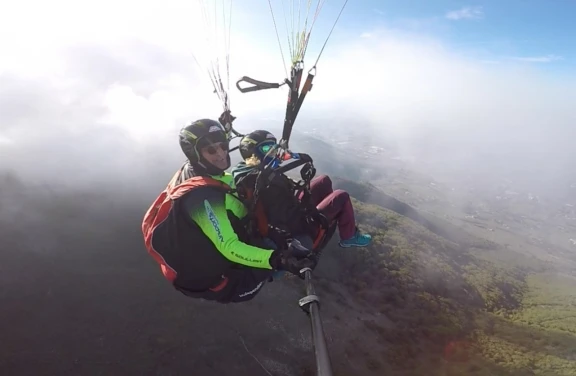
(331, 30)
(252, 355)
(278, 37)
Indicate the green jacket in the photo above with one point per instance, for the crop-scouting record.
(219, 215)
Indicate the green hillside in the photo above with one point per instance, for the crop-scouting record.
(452, 308)
(427, 298)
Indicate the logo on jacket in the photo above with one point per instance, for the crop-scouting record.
(251, 291)
(213, 220)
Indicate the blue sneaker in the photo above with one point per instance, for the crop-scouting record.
(358, 240)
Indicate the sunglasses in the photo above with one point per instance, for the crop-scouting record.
(210, 149)
(264, 149)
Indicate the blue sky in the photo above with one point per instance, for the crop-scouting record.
(536, 32)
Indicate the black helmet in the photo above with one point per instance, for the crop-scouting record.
(199, 134)
(251, 141)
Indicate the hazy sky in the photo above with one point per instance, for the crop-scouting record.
(529, 31)
(107, 84)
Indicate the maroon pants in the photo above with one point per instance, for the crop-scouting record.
(334, 204)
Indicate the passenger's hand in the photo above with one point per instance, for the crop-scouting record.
(308, 172)
(316, 218)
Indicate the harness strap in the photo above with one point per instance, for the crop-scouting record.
(220, 285)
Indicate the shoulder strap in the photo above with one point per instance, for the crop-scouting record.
(256, 221)
(181, 184)
(177, 191)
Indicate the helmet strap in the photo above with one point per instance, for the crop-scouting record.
(209, 168)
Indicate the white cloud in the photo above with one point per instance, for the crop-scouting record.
(538, 59)
(465, 13)
(452, 111)
(136, 76)
(138, 64)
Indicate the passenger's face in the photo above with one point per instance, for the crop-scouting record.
(216, 154)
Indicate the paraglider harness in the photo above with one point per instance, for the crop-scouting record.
(321, 230)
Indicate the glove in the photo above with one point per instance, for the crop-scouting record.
(226, 120)
(314, 217)
(293, 261)
(321, 218)
(294, 265)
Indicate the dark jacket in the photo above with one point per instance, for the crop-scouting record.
(282, 208)
(200, 239)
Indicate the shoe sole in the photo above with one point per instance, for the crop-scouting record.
(353, 245)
